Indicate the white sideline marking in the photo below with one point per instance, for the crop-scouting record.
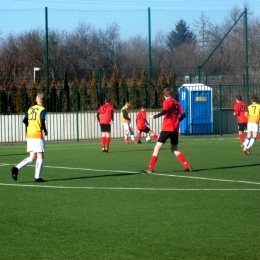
(123, 188)
(157, 174)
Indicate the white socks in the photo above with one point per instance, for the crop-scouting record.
(24, 163)
(38, 168)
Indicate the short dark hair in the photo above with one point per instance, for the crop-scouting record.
(167, 92)
(254, 98)
(239, 97)
(107, 99)
(143, 106)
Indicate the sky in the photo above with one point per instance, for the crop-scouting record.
(130, 5)
(132, 16)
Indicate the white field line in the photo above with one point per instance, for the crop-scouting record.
(122, 188)
(157, 174)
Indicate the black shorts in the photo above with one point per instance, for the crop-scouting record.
(242, 127)
(145, 130)
(163, 136)
(105, 128)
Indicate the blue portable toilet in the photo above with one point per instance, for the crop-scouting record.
(196, 100)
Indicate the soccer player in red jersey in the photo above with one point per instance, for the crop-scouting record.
(173, 114)
(142, 125)
(105, 116)
(240, 109)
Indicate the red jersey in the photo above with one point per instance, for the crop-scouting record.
(171, 118)
(106, 113)
(141, 120)
(239, 109)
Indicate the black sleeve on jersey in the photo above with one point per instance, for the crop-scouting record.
(25, 121)
(164, 112)
(182, 117)
(44, 126)
(124, 115)
(98, 117)
(112, 115)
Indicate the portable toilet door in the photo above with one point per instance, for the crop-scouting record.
(196, 100)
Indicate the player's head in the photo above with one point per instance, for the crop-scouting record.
(238, 97)
(107, 99)
(127, 105)
(40, 98)
(167, 92)
(254, 98)
(143, 107)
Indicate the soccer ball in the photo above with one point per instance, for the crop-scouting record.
(148, 138)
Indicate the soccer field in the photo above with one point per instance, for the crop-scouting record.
(97, 205)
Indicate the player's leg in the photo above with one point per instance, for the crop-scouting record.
(160, 142)
(40, 160)
(26, 161)
(178, 154)
(107, 138)
(139, 136)
(131, 133)
(153, 135)
(126, 129)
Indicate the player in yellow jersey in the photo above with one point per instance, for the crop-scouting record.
(35, 121)
(126, 122)
(253, 113)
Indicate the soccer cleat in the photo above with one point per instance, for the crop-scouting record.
(188, 169)
(242, 145)
(148, 170)
(126, 141)
(134, 142)
(103, 149)
(106, 150)
(139, 142)
(246, 151)
(39, 180)
(14, 171)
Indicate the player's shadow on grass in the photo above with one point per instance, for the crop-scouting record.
(94, 176)
(14, 154)
(218, 168)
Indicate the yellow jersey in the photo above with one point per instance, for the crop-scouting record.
(254, 113)
(124, 111)
(34, 116)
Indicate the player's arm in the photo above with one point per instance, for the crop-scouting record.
(42, 117)
(25, 120)
(162, 113)
(146, 122)
(183, 115)
(236, 111)
(125, 115)
(98, 118)
(112, 116)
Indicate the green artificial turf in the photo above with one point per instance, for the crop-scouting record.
(97, 205)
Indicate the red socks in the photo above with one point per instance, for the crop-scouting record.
(139, 135)
(155, 136)
(153, 162)
(105, 141)
(242, 138)
(183, 160)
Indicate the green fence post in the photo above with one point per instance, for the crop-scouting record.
(246, 58)
(149, 47)
(47, 52)
(220, 108)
